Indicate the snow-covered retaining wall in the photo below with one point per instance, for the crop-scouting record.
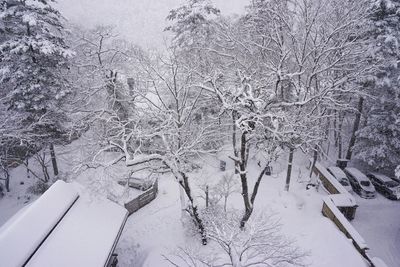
(338, 205)
(343, 199)
(330, 183)
(143, 199)
(330, 210)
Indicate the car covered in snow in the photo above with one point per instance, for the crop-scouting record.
(341, 177)
(360, 183)
(385, 185)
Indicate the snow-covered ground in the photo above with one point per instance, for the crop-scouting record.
(378, 221)
(156, 231)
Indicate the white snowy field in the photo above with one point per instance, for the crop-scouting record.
(156, 231)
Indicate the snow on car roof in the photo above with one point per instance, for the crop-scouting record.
(63, 228)
(381, 177)
(337, 172)
(357, 174)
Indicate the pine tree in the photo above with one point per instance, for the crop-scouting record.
(379, 140)
(33, 55)
(34, 59)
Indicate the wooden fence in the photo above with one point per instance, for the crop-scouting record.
(143, 199)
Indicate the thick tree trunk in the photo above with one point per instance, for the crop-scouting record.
(235, 151)
(335, 137)
(243, 179)
(27, 168)
(53, 160)
(315, 157)
(340, 136)
(289, 170)
(194, 210)
(6, 178)
(356, 125)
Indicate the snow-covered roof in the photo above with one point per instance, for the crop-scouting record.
(322, 170)
(378, 262)
(62, 228)
(381, 177)
(357, 174)
(343, 200)
(337, 172)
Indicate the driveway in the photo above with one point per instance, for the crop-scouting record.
(378, 221)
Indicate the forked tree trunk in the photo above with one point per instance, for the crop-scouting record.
(53, 160)
(289, 169)
(356, 125)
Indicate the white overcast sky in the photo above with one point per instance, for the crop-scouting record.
(140, 21)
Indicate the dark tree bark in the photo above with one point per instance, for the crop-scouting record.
(356, 126)
(194, 210)
(315, 157)
(7, 181)
(53, 160)
(340, 136)
(6, 178)
(289, 170)
(27, 168)
(247, 199)
(235, 152)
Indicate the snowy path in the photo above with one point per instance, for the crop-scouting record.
(378, 221)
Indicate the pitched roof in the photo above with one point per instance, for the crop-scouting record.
(64, 227)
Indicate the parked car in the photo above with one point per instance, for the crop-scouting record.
(385, 185)
(360, 183)
(341, 177)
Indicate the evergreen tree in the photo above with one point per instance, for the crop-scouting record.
(34, 59)
(379, 140)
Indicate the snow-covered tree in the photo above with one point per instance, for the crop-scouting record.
(34, 55)
(276, 82)
(168, 123)
(190, 25)
(378, 142)
(261, 243)
(33, 62)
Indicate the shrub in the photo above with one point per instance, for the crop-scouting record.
(38, 188)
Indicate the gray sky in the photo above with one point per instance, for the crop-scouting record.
(140, 21)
